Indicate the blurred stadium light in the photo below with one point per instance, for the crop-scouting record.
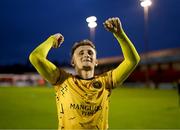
(146, 4)
(21, 80)
(92, 24)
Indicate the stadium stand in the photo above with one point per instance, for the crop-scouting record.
(21, 80)
(155, 67)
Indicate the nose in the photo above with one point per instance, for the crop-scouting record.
(86, 54)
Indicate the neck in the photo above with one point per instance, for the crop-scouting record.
(85, 74)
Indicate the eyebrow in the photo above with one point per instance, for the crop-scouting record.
(81, 50)
(94, 52)
(87, 50)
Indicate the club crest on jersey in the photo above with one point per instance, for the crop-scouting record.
(97, 84)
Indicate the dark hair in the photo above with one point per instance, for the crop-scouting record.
(82, 43)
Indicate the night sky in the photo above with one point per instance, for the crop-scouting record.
(24, 24)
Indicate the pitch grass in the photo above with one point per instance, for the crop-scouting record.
(130, 108)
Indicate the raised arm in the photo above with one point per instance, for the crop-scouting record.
(38, 58)
(131, 57)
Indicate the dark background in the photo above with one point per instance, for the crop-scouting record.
(24, 24)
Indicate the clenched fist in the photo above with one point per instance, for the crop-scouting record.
(113, 25)
(60, 39)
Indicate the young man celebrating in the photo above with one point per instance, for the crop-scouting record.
(83, 99)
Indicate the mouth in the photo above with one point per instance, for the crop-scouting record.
(87, 60)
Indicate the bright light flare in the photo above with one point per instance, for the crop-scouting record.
(92, 24)
(91, 19)
(146, 3)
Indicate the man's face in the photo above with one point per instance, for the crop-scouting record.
(84, 57)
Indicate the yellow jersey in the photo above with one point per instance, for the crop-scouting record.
(83, 104)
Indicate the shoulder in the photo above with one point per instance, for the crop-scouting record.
(63, 76)
(107, 74)
(106, 78)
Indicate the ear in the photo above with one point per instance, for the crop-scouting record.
(96, 63)
(72, 62)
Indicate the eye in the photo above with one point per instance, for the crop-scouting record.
(90, 52)
(81, 53)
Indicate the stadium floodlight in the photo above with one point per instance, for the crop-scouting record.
(92, 24)
(145, 3)
(91, 19)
